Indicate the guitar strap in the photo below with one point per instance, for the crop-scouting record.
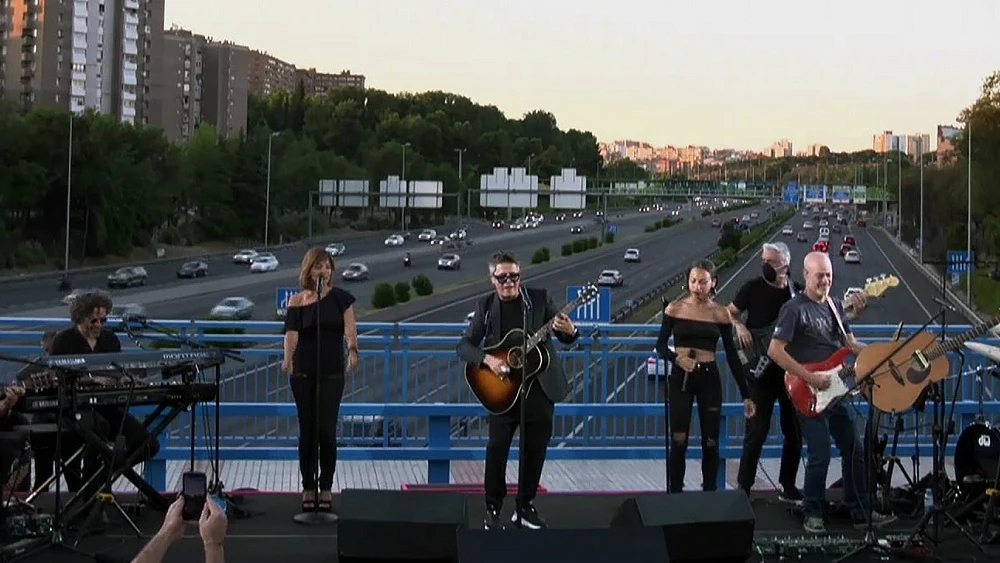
(836, 317)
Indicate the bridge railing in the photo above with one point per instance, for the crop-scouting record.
(409, 373)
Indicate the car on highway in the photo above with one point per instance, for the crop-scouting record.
(836, 228)
(576, 229)
(787, 230)
(336, 249)
(824, 223)
(824, 232)
(577, 214)
(264, 263)
(611, 277)
(517, 225)
(559, 217)
(245, 256)
(195, 269)
(801, 237)
(238, 308)
(128, 276)
(851, 291)
(821, 246)
(852, 257)
(78, 292)
(716, 222)
(808, 225)
(862, 223)
(498, 224)
(656, 367)
(118, 313)
(845, 248)
(459, 234)
(450, 262)
(849, 239)
(356, 272)
(427, 235)
(440, 241)
(632, 255)
(395, 240)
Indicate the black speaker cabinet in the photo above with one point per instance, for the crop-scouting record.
(380, 526)
(716, 526)
(632, 545)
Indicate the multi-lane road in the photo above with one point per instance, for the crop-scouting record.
(912, 302)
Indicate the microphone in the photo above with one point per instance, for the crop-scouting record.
(319, 285)
(684, 382)
(944, 304)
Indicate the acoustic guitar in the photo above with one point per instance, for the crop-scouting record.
(811, 401)
(524, 358)
(922, 360)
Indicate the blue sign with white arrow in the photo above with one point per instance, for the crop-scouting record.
(960, 261)
(792, 193)
(596, 311)
(281, 297)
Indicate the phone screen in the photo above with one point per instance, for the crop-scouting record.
(194, 488)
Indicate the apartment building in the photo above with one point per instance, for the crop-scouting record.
(268, 75)
(887, 142)
(779, 149)
(80, 54)
(918, 144)
(947, 135)
(319, 83)
(224, 86)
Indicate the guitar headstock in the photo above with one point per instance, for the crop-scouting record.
(877, 285)
(587, 293)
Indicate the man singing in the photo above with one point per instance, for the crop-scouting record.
(761, 299)
(496, 314)
(810, 328)
(88, 335)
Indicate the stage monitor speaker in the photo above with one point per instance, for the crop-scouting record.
(634, 545)
(698, 526)
(381, 526)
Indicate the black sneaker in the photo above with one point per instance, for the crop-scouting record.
(791, 495)
(527, 517)
(492, 520)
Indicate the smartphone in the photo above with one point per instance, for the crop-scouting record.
(194, 487)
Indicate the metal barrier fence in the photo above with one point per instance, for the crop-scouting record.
(408, 399)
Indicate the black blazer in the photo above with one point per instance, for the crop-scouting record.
(484, 331)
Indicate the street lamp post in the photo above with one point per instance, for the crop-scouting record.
(458, 204)
(267, 194)
(920, 151)
(406, 190)
(899, 192)
(968, 225)
(69, 193)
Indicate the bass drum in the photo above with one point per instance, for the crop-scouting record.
(977, 458)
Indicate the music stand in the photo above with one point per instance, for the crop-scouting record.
(316, 517)
(216, 487)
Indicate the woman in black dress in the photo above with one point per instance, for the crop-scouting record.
(316, 363)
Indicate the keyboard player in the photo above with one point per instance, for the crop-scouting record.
(89, 335)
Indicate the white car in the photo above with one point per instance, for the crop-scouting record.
(632, 255)
(245, 256)
(450, 262)
(264, 263)
(471, 315)
(395, 240)
(656, 367)
(851, 291)
(824, 232)
(427, 235)
(356, 272)
(787, 230)
(336, 249)
(808, 225)
(611, 277)
(852, 257)
(234, 308)
(516, 226)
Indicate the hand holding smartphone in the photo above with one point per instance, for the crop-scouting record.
(194, 487)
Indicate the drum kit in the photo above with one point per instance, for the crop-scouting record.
(973, 498)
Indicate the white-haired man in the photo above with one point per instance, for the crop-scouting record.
(754, 311)
(812, 326)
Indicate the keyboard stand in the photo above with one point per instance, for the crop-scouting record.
(155, 423)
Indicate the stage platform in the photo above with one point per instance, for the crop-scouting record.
(271, 535)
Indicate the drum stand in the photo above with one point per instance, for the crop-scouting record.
(990, 495)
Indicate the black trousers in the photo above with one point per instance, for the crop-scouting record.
(764, 391)
(704, 385)
(106, 422)
(537, 433)
(317, 429)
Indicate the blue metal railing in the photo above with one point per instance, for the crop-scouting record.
(408, 399)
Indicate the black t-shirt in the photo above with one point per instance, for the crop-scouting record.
(330, 341)
(810, 329)
(71, 342)
(762, 301)
(511, 315)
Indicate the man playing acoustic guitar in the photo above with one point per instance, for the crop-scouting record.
(495, 316)
(811, 327)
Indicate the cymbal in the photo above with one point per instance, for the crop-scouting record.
(991, 352)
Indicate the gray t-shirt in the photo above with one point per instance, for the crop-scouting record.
(810, 329)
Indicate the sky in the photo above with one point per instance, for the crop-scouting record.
(723, 73)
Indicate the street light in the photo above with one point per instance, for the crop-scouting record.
(899, 192)
(968, 224)
(458, 205)
(460, 153)
(267, 196)
(406, 187)
(69, 193)
(920, 151)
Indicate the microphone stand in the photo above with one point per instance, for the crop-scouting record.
(216, 488)
(317, 517)
(523, 403)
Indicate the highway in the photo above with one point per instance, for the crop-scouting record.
(911, 302)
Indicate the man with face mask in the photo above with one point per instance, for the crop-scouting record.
(760, 300)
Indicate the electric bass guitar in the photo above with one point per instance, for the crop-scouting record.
(811, 401)
(523, 357)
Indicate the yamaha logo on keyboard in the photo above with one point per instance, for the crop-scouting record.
(182, 356)
(74, 361)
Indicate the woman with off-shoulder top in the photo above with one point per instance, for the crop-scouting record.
(697, 324)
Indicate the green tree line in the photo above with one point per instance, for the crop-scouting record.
(132, 188)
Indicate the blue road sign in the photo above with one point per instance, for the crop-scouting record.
(792, 193)
(613, 229)
(960, 261)
(842, 194)
(597, 311)
(815, 193)
(281, 297)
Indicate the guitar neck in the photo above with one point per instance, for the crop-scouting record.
(955, 343)
(544, 332)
